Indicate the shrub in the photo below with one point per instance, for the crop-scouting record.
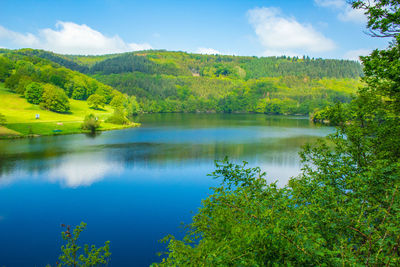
(118, 117)
(91, 123)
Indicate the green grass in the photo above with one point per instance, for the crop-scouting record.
(20, 116)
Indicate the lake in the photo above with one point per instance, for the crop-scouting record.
(131, 186)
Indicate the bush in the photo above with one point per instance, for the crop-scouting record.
(118, 117)
(91, 123)
(55, 99)
(33, 93)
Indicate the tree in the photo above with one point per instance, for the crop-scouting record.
(5, 68)
(118, 101)
(91, 123)
(55, 99)
(343, 209)
(383, 16)
(2, 119)
(96, 101)
(133, 106)
(33, 93)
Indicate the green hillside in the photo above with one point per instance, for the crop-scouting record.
(31, 85)
(163, 81)
(166, 81)
(21, 121)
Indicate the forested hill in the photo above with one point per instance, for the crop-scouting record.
(180, 63)
(166, 81)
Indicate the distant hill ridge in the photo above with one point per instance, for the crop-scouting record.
(185, 64)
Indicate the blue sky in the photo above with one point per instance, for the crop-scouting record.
(318, 28)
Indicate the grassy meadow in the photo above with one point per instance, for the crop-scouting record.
(21, 117)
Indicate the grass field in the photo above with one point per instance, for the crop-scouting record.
(21, 121)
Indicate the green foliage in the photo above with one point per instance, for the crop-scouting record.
(59, 59)
(96, 101)
(314, 68)
(383, 16)
(22, 67)
(33, 93)
(130, 62)
(118, 117)
(5, 68)
(333, 115)
(55, 99)
(133, 106)
(118, 101)
(92, 256)
(190, 94)
(328, 216)
(91, 123)
(179, 82)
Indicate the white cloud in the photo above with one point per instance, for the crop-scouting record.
(281, 35)
(71, 38)
(345, 12)
(207, 51)
(355, 54)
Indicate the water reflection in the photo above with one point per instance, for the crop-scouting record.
(164, 141)
(82, 170)
(73, 167)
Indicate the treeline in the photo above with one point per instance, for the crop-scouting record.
(314, 68)
(236, 67)
(271, 95)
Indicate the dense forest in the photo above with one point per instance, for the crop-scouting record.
(165, 81)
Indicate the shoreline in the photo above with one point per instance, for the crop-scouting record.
(10, 134)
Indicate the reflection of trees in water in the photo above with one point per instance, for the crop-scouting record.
(27, 161)
(7, 166)
(93, 135)
(275, 151)
(221, 120)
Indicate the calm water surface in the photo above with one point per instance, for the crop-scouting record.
(133, 186)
